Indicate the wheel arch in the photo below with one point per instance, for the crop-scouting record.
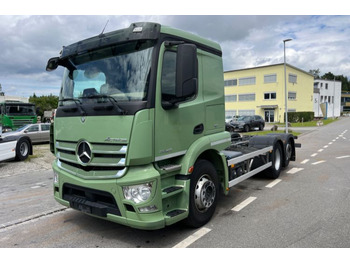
(218, 160)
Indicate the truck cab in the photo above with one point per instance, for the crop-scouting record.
(140, 127)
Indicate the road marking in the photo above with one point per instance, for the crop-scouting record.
(340, 157)
(313, 155)
(325, 146)
(305, 161)
(320, 150)
(319, 162)
(5, 176)
(330, 143)
(192, 238)
(295, 170)
(243, 204)
(333, 140)
(273, 183)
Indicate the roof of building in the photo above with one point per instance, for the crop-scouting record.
(257, 67)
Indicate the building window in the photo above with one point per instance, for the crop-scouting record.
(269, 96)
(244, 81)
(292, 78)
(270, 78)
(292, 95)
(230, 113)
(231, 98)
(231, 82)
(326, 85)
(246, 112)
(246, 97)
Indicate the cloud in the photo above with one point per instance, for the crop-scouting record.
(27, 42)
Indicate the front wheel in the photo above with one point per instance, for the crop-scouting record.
(203, 193)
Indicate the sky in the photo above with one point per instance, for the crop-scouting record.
(28, 39)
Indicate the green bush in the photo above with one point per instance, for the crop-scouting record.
(295, 117)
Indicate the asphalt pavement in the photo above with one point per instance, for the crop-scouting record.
(308, 206)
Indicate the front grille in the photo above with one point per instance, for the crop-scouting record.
(107, 159)
(21, 122)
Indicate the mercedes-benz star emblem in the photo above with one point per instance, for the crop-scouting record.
(84, 152)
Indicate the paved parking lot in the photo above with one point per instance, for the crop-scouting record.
(307, 206)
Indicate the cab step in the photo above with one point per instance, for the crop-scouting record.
(175, 212)
(172, 190)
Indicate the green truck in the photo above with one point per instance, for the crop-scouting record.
(139, 133)
(14, 114)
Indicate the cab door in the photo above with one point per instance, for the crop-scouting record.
(177, 123)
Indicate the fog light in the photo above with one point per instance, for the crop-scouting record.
(55, 177)
(148, 209)
(138, 193)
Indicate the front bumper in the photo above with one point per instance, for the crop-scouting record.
(104, 198)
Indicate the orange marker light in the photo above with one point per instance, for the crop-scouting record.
(190, 170)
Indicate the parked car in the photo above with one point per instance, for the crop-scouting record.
(246, 123)
(38, 133)
(18, 147)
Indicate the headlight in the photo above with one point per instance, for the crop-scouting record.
(138, 193)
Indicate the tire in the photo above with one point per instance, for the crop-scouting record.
(246, 128)
(277, 155)
(261, 127)
(22, 149)
(204, 189)
(288, 153)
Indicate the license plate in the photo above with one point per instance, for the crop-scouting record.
(84, 208)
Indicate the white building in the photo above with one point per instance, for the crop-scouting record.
(327, 94)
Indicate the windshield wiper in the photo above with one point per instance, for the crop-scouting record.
(111, 99)
(77, 102)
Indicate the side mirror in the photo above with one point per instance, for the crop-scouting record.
(186, 71)
(52, 64)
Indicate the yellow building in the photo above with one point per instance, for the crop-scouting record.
(260, 91)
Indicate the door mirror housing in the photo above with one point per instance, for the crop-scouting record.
(52, 64)
(186, 71)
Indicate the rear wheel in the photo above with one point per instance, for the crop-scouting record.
(246, 128)
(203, 194)
(22, 149)
(261, 127)
(288, 155)
(275, 170)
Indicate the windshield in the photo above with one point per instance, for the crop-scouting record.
(20, 110)
(121, 73)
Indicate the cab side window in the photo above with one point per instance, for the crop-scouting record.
(168, 75)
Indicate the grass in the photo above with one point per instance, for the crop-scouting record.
(311, 123)
(261, 133)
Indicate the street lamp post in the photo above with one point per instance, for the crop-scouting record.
(285, 83)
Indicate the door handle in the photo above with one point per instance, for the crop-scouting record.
(198, 129)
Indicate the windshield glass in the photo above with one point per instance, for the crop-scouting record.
(20, 110)
(119, 72)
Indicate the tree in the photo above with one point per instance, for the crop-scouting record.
(345, 83)
(44, 103)
(315, 72)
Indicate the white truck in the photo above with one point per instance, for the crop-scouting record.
(15, 147)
